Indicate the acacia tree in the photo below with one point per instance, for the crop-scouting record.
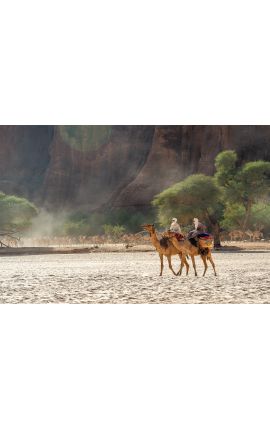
(261, 217)
(235, 214)
(244, 186)
(196, 196)
(16, 214)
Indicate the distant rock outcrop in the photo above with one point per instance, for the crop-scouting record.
(24, 158)
(121, 166)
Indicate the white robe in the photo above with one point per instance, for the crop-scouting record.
(175, 227)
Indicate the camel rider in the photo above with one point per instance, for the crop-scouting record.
(193, 234)
(199, 227)
(175, 227)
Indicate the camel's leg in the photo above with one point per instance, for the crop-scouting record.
(161, 264)
(194, 264)
(182, 264)
(205, 264)
(179, 273)
(186, 264)
(213, 264)
(169, 258)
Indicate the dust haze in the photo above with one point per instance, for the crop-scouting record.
(47, 224)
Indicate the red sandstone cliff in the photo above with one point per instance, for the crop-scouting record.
(90, 177)
(178, 151)
(127, 167)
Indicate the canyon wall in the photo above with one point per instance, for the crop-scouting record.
(90, 167)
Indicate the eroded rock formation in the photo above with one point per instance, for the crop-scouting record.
(117, 166)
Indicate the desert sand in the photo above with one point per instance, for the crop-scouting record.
(132, 277)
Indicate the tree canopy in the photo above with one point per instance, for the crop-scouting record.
(244, 186)
(236, 197)
(234, 217)
(16, 213)
(196, 196)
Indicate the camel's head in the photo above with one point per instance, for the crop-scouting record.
(149, 227)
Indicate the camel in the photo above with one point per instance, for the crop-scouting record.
(187, 248)
(236, 235)
(249, 233)
(165, 247)
(254, 235)
(257, 235)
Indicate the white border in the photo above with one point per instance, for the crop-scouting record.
(144, 62)
(134, 367)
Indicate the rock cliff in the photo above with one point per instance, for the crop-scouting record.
(96, 166)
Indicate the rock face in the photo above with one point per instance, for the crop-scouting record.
(89, 167)
(24, 158)
(94, 176)
(179, 151)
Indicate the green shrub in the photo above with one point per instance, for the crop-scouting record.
(16, 213)
(114, 231)
(116, 221)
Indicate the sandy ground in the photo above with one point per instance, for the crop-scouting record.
(248, 245)
(132, 277)
(121, 247)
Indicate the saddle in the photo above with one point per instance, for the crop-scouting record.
(179, 236)
(205, 240)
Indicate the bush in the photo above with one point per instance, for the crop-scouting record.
(82, 223)
(234, 216)
(260, 217)
(77, 228)
(16, 213)
(114, 231)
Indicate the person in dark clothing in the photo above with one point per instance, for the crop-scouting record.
(193, 234)
(199, 227)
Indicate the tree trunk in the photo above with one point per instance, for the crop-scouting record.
(247, 216)
(216, 233)
(215, 227)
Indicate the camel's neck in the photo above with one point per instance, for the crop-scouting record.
(154, 240)
(175, 242)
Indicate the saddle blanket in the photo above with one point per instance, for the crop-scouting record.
(179, 236)
(205, 236)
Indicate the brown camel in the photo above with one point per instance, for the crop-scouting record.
(187, 248)
(249, 233)
(236, 235)
(257, 235)
(165, 247)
